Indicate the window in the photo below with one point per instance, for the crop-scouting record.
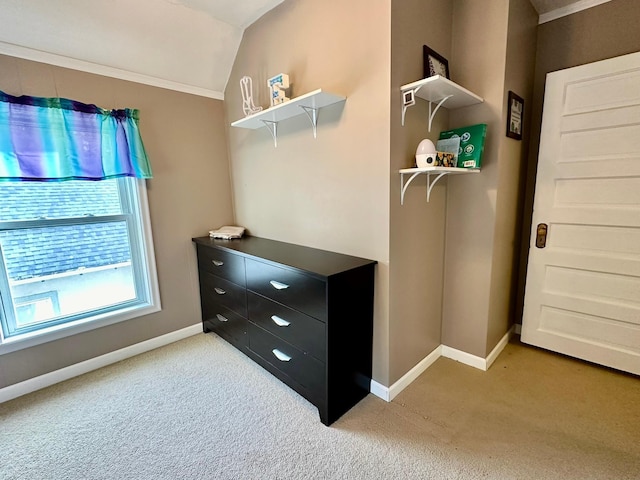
(73, 255)
(75, 238)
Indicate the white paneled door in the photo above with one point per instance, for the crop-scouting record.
(583, 282)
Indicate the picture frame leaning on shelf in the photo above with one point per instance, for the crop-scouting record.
(434, 63)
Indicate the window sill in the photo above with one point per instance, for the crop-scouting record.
(20, 342)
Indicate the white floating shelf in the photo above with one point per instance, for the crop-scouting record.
(434, 89)
(439, 172)
(440, 91)
(308, 104)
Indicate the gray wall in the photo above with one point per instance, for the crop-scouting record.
(519, 73)
(606, 31)
(305, 190)
(416, 233)
(482, 211)
(330, 192)
(188, 195)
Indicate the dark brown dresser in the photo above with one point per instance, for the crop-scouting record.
(305, 315)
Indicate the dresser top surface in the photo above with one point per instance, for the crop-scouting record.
(313, 260)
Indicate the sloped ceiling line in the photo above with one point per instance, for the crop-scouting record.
(183, 45)
(89, 67)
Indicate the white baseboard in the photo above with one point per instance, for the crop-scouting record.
(464, 357)
(51, 378)
(497, 350)
(389, 393)
(473, 360)
(385, 393)
(380, 391)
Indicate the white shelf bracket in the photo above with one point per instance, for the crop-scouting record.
(403, 186)
(433, 114)
(273, 128)
(430, 184)
(312, 113)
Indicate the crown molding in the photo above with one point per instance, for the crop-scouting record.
(89, 67)
(569, 10)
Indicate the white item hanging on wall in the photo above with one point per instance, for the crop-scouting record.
(278, 86)
(246, 87)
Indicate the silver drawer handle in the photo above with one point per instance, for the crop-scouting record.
(281, 322)
(278, 285)
(219, 291)
(280, 356)
(222, 318)
(217, 263)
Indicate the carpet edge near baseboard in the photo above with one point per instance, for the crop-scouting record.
(389, 393)
(42, 381)
(385, 393)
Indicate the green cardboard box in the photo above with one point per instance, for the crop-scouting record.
(471, 144)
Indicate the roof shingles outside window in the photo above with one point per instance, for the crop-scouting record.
(36, 252)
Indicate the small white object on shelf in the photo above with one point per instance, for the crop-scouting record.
(429, 171)
(425, 153)
(438, 90)
(246, 87)
(308, 103)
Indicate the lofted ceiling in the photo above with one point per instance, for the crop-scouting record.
(239, 13)
(184, 45)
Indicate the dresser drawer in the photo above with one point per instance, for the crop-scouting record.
(304, 369)
(226, 323)
(298, 329)
(295, 290)
(220, 291)
(222, 264)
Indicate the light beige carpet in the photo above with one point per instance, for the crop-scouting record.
(198, 409)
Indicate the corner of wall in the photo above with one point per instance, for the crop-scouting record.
(416, 233)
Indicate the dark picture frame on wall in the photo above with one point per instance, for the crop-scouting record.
(515, 113)
(434, 63)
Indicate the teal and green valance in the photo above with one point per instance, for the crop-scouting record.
(56, 139)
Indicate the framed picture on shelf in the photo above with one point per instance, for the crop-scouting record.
(514, 116)
(434, 63)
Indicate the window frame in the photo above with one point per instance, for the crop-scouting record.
(134, 199)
